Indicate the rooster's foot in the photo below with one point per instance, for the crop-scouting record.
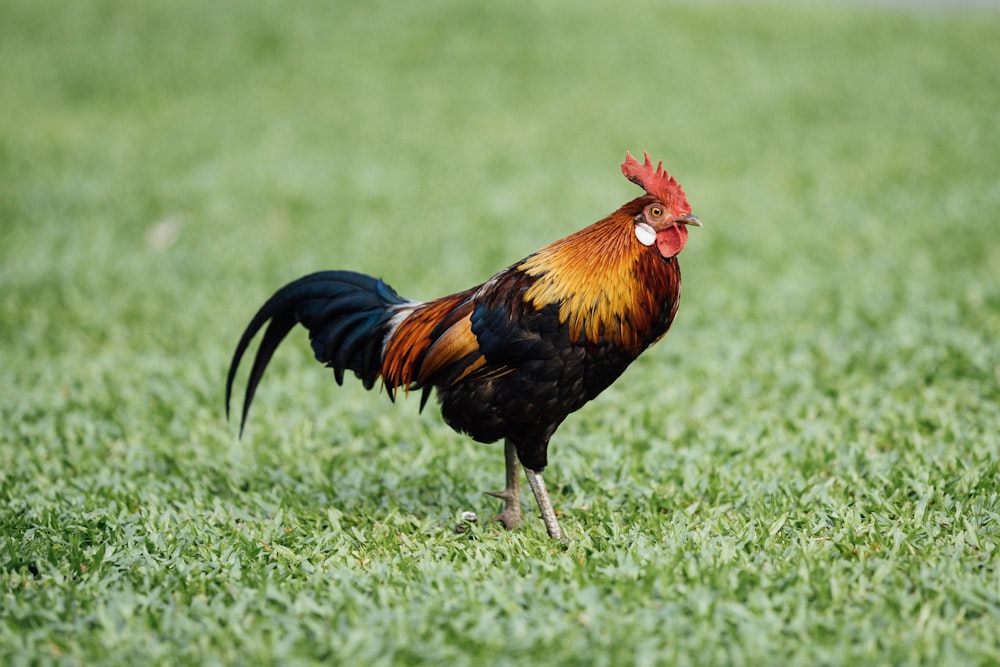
(511, 515)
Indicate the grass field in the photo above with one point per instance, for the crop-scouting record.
(805, 471)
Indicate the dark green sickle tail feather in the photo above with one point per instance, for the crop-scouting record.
(348, 316)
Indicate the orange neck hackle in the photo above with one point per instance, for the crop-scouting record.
(608, 286)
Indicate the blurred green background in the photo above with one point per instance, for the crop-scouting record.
(804, 470)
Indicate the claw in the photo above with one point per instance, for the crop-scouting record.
(511, 515)
(510, 518)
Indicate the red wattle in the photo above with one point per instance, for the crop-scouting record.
(671, 240)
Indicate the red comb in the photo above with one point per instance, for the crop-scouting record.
(656, 182)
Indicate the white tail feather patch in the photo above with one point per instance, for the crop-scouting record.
(403, 311)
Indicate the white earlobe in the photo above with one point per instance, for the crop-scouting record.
(645, 234)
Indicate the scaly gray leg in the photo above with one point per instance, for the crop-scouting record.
(544, 504)
(511, 515)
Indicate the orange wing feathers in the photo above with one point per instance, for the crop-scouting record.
(430, 338)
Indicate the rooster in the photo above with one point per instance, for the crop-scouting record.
(513, 357)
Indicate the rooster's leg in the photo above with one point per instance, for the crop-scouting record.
(544, 504)
(511, 515)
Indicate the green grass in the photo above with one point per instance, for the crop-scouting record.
(805, 471)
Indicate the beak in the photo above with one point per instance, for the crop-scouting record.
(690, 220)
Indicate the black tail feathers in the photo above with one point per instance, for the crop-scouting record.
(347, 314)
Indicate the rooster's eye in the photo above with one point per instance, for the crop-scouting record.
(656, 211)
